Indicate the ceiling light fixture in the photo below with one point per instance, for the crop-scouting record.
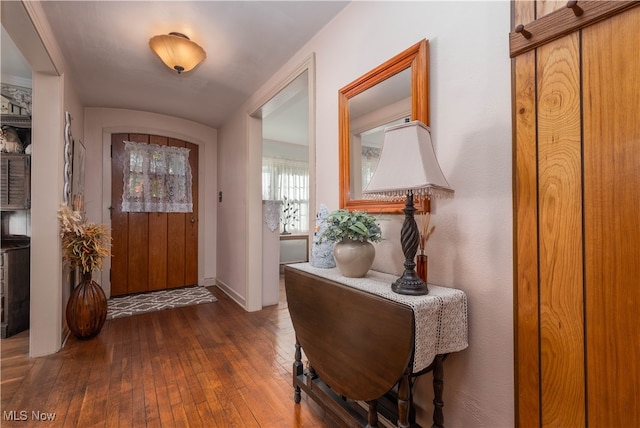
(177, 51)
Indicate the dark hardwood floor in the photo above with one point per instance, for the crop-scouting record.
(210, 365)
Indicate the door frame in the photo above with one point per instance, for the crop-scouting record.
(254, 280)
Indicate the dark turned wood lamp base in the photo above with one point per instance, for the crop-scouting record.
(409, 283)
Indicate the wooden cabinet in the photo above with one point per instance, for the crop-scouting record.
(15, 179)
(577, 232)
(14, 287)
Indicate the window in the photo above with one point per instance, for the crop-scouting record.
(369, 158)
(156, 179)
(288, 178)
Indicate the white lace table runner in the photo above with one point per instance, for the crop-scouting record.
(440, 317)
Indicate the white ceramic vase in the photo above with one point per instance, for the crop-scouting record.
(354, 258)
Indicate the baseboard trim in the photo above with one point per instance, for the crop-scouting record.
(231, 293)
(209, 282)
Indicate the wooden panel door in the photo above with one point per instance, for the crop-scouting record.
(560, 233)
(130, 231)
(577, 229)
(611, 64)
(526, 298)
(138, 242)
(176, 224)
(191, 226)
(151, 251)
(158, 242)
(525, 219)
(119, 220)
(182, 258)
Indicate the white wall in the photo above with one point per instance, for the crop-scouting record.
(73, 105)
(53, 94)
(50, 287)
(100, 123)
(45, 317)
(471, 128)
(232, 210)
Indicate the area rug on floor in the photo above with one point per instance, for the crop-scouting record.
(157, 300)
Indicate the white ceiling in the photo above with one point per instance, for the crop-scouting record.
(14, 67)
(105, 45)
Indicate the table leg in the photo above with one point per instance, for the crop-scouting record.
(297, 371)
(372, 415)
(438, 386)
(404, 399)
(311, 372)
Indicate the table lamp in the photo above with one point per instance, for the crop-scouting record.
(408, 167)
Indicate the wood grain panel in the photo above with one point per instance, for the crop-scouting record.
(560, 233)
(191, 225)
(527, 323)
(562, 22)
(157, 239)
(138, 242)
(545, 7)
(525, 198)
(119, 220)
(177, 242)
(611, 51)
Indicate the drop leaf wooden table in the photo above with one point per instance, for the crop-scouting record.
(366, 344)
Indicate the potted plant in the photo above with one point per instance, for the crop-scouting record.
(84, 246)
(289, 215)
(353, 232)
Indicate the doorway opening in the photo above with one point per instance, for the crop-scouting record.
(281, 171)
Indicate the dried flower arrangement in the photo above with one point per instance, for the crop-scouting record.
(425, 232)
(84, 244)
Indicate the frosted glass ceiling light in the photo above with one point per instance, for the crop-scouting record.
(177, 51)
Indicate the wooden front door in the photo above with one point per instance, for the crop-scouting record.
(151, 251)
(576, 187)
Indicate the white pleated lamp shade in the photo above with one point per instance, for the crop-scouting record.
(407, 163)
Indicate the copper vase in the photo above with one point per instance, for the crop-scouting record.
(421, 267)
(86, 308)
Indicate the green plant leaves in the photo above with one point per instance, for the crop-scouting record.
(355, 225)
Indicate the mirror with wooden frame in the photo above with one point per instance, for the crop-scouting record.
(394, 92)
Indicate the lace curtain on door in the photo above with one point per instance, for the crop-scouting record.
(156, 179)
(369, 158)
